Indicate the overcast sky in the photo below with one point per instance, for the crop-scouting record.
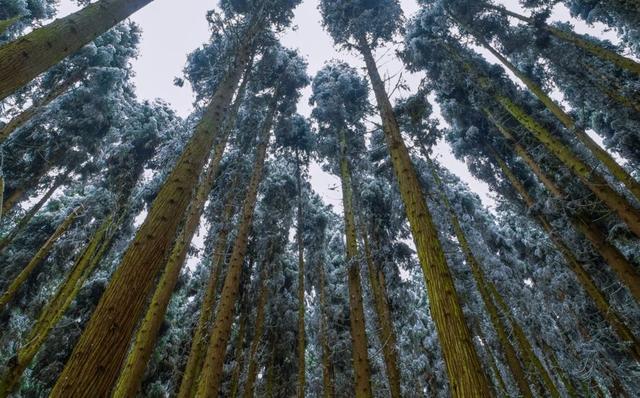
(171, 31)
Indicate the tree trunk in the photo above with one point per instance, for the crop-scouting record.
(38, 107)
(517, 371)
(56, 307)
(466, 376)
(301, 290)
(327, 367)
(625, 271)
(603, 156)
(583, 277)
(95, 362)
(24, 221)
(25, 58)
(359, 343)
(258, 331)
(237, 371)
(1, 192)
(387, 334)
(145, 340)
(564, 377)
(575, 39)
(211, 375)
(40, 255)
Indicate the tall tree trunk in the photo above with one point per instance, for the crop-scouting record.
(1, 191)
(562, 374)
(25, 58)
(40, 255)
(517, 371)
(56, 307)
(575, 39)
(359, 343)
(38, 107)
(95, 362)
(146, 337)
(622, 175)
(387, 334)
(597, 296)
(24, 221)
(301, 289)
(271, 371)
(466, 376)
(625, 271)
(211, 375)
(258, 331)
(327, 366)
(238, 354)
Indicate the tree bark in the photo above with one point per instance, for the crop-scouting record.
(327, 367)
(622, 175)
(56, 307)
(301, 289)
(625, 271)
(23, 59)
(583, 277)
(466, 376)
(258, 331)
(95, 362)
(359, 343)
(237, 371)
(40, 255)
(24, 221)
(517, 371)
(211, 375)
(575, 39)
(387, 334)
(38, 107)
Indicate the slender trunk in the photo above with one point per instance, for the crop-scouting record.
(386, 333)
(95, 362)
(145, 340)
(575, 39)
(237, 370)
(37, 107)
(301, 331)
(24, 221)
(56, 307)
(517, 371)
(25, 58)
(360, 358)
(258, 330)
(271, 371)
(1, 192)
(211, 375)
(598, 152)
(582, 275)
(564, 377)
(466, 376)
(38, 258)
(502, 387)
(625, 271)
(603, 83)
(327, 367)
(7, 23)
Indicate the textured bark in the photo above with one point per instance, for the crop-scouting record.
(517, 371)
(38, 258)
(38, 107)
(575, 39)
(387, 334)
(466, 376)
(1, 193)
(211, 375)
(597, 296)
(564, 377)
(26, 57)
(360, 360)
(327, 366)
(625, 271)
(237, 370)
(56, 307)
(301, 306)
(24, 221)
(502, 387)
(95, 362)
(603, 156)
(258, 331)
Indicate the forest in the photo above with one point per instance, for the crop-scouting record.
(148, 254)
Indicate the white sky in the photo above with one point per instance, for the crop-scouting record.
(171, 31)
